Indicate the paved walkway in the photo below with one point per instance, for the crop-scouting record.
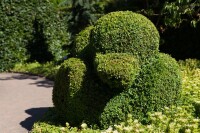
(23, 99)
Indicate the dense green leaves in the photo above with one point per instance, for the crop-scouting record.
(35, 25)
(81, 43)
(157, 85)
(125, 32)
(118, 70)
(68, 83)
(129, 76)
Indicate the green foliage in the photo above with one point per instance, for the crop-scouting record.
(158, 85)
(48, 69)
(125, 32)
(170, 120)
(191, 83)
(58, 37)
(14, 25)
(81, 15)
(127, 58)
(68, 83)
(35, 25)
(51, 26)
(81, 46)
(118, 70)
(176, 12)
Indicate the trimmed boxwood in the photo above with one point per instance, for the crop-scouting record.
(68, 82)
(127, 58)
(158, 85)
(118, 70)
(125, 32)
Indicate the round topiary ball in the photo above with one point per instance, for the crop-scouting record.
(68, 84)
(157, 86)
(125, 32)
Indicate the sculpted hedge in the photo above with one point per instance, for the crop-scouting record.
(126, 74)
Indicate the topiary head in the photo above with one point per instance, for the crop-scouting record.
(82, 40)
(125, 32)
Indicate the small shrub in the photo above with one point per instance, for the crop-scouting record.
(125, 32)
(116, 69)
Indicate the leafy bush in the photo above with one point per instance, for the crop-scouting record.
(118, 70)
(171, 120)
(125, 32)
(15, 25)
(35, 25)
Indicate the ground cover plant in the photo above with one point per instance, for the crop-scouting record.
(125, 74)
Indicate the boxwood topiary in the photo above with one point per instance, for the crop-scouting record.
(158, 85)
(126, 46)
(125, 32)
(118, 70)
(69, 80)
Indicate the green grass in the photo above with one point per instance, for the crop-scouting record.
(47, 70)
(181, 119)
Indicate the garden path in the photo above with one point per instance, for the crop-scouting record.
(23, 99)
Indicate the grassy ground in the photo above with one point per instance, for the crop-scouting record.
(47, 70)
(181, 119)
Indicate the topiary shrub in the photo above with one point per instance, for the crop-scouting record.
(125, 32)
(157, 85)
(127, 76)
(118, 70)
(68, 82)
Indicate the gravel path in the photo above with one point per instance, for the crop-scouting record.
(23, 99)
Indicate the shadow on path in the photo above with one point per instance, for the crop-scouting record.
(43, 83)
(39, 81)
(16, 76)
(35, 114)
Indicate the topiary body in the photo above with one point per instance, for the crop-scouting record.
(157, 85)
(124, 75)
